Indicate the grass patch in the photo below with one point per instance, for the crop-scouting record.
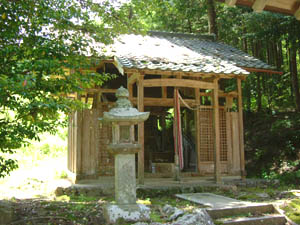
(292, 210)
(156, 216)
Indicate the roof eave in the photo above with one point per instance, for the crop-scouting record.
(270, 71)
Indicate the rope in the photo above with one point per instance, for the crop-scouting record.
(186, 105)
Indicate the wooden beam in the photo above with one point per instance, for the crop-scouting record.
(130, 90)
(262, 70)
(140, 104)
(230, 2)
(221, 94)
(178, 83)
(100, 90)
(216, 126)
(297, 14)
(132, 78)
(241, 128)
(118, 65)
(162, 101)
(259, 5)
(272, 6)
(197, 127)
(189, 74)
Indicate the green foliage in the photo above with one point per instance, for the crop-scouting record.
(43, 48)
(272, 143)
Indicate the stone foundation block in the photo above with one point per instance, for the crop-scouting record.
(116, 214)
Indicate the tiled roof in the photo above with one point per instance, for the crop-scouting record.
(182, 52)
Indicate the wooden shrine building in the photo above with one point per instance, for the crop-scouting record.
(208, 76)
(288, 7)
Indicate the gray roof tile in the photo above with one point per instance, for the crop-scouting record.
(182, 52)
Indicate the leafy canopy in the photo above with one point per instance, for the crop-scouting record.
(43, 48)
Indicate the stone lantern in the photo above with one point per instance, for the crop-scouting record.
(123, 117)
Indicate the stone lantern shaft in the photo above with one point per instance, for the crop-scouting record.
(123, 146)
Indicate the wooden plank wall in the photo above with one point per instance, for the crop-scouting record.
(106, 160)
(87, 145)
(236, 166)
(74, 142)
(90, 142)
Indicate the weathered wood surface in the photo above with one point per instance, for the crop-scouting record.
(83, 142)
(141, 127)
(280, 6)
(71, 153)
(229, 132)
(132, 78)
(90, 142)
(236, 162)
(185, 74)
(230, 2)
(175, 82)
(197, 127)
(166, 102)
(216, 128)
(259, 5)
(77, 142)
(241, 127)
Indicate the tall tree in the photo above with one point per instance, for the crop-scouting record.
(211, 13)
(294, 73)
(43, 48)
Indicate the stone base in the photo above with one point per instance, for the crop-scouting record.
(115, 214)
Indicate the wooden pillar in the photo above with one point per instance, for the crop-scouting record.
(216, 127)
(241, 128)
(197, 127)
(78, 139)
(130, 87)
(229, 101)
(140, 103)
(164, 90)
(176, 157)
(163, 133)
(70, 142)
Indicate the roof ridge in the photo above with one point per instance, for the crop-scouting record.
(210, 37)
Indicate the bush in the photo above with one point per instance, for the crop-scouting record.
(272, 144)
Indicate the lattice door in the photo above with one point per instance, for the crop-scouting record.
(207, 135)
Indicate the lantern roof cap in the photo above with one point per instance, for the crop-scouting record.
(124, 111)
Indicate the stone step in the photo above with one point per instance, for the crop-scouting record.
(253, 209)
(263, 220)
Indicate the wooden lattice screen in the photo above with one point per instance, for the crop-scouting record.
(207, 135)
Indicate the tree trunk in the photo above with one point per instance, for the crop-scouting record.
(256, 53)
(247, 83)
(280, 57)
(259, 93)
(294, 74)
(211, 13)
(245, 45)
(248, 95)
